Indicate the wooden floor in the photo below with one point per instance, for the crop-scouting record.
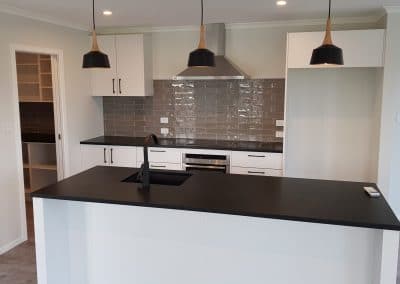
(18, 266)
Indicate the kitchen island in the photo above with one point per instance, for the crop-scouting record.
(213, 228)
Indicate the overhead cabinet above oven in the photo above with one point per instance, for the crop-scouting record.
(131, 67)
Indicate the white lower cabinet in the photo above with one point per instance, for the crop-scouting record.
(244, 163)
(101, 155)
(256, 172)
(161, 158)
(256, 163)
(165, 166)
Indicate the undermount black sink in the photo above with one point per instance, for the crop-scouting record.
(161, 178)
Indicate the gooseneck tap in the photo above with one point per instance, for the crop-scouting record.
(144, 173)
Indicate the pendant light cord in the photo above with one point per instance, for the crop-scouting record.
(202, 12)
(330, 4)
(94, 22)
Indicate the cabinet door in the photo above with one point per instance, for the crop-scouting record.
(104, 80)
(165, 166)
(361, 48)
(130, 61)
(94, 155)
(256, 172)
(258, 160)
(121, 156)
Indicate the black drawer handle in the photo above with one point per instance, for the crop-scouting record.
(256, 156)
(250, 172)
(112, 161)
(119, 85)
(158, 151)
(105, 156)
(113, 81)
(155, 166)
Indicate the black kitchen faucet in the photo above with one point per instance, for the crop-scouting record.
(144, 172)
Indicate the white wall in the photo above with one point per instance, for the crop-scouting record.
(332, 121)
(389, 154)
(258, 50)
(84, 114)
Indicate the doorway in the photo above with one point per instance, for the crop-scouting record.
(40, 123)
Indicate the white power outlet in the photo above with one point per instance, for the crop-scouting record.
(164, 131)
(279, 134)
(164, 120)
(280, 122)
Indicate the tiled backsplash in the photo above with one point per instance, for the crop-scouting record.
(212, 109)
(37, 118)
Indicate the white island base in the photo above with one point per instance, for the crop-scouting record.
(95, 243)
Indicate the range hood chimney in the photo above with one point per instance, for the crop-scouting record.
(224, 69)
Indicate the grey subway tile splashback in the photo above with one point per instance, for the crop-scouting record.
(211, 109)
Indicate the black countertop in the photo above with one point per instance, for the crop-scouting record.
(316, 201)
(273, 147)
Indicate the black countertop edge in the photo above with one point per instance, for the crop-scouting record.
(226, 212)
(251, 146)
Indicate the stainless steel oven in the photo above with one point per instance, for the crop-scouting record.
(206, 162)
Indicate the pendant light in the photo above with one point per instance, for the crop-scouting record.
(95, 58)
(327, 53)
(202, 57)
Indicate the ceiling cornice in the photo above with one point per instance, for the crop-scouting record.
(36, 16)
(392, 9)
(269, 24)
(310, 22)
(255, 25)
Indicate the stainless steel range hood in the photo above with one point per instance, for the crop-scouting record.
(224, 69)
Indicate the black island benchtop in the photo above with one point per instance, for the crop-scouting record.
(316, 201)
(272, 147)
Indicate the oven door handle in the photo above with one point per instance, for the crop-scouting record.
(204, 167)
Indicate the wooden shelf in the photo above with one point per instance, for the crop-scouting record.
(34, 76)
(44, 167)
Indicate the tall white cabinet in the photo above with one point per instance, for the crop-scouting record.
(131, 66)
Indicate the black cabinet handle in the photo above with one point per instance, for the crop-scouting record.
(256, 156)
(156, 166)
(104, 155)
(111, 150)
(261, 173)
(119, 86)
(113, 81)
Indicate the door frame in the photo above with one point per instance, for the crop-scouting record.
(57, 62)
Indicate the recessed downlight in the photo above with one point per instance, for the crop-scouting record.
(107, 13)
(281, 3)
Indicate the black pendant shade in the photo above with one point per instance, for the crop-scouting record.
(95, 58)
(327, 54)
(201, 57)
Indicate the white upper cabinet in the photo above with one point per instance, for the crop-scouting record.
(131, 66)
(103, 79)
(361, 48)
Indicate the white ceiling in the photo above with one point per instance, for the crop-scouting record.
(186, 12)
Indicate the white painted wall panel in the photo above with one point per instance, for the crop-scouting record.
(84, 114)
(99, 243)
(332, 124)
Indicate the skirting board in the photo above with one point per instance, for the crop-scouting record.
(12, 245)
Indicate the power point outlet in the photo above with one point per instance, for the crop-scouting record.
(280, 123)
(279, 134)
(164, 120)
(164, 131)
